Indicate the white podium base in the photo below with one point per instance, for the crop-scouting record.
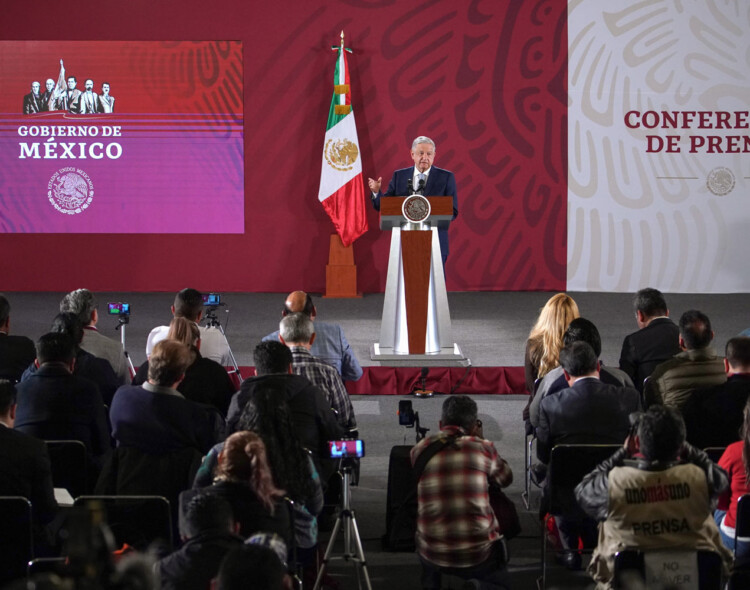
(445, 357)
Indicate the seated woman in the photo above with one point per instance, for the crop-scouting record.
(244, 479)
(546, 339)
(268, 415)
(206, 381)
(736, 462)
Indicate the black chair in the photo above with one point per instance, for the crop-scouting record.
(714, 453)
(46, 565)
(138, 521)
(742, 528)
(568, 465)
(16, 537)
(632, 562)
(69, 465)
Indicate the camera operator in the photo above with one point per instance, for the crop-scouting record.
(457, 531)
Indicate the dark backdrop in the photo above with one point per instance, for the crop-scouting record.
(486, 79)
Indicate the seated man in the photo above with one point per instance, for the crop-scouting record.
(313, 419)
(297, 331)
(16, 352)
(54, 404)
(457, 531)
(208, 533)
(330, 343)
(579, 330)
(713, 416)
(587, 412)
(188, 303)
(24, 462)
(656, 341)
(656, 492)
(83, 303)
(675, 381)
(155, 417)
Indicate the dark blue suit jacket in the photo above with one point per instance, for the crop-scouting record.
(440, 183)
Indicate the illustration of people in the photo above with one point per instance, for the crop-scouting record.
(70, 100)
(89, 101)
(106, 101)
(33, 101)
(49, 96)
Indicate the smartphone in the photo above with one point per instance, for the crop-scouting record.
(341, 449)
(118, 308)
(212, 299)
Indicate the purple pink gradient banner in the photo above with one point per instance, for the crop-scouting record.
(167, 159)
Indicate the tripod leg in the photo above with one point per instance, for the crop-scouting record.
(327, 554)
(360, 553)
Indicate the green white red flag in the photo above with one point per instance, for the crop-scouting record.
(342, 191)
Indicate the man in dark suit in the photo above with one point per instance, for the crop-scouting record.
(54, 404)
(16, 352)
(714, 416)
(587, 412)
(24, 462)
(656, 340)
(33, 101)
(423, 178)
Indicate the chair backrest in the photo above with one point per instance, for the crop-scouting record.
(714, 453)
(568, 465)
(742, 523)
(16, 537)
(632, 561)
(69, 465)
(136, 520)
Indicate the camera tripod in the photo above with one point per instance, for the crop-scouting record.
(213, 322)
(122, 321)
(352, 540)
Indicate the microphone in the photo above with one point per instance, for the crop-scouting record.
(420, 188)
(410, 187)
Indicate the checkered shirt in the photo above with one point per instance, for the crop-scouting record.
(327, 378)
(456, 526)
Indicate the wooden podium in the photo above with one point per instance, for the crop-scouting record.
(416, 326)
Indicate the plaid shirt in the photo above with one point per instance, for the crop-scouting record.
(456, 526)
(328, 380)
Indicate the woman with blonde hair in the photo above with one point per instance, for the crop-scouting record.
(546, 337)
(206, 381)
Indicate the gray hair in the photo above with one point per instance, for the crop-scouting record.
(296, 327)
(459, 410)
(422, 139)
(80, 302)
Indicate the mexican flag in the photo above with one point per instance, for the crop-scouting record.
(342, 191)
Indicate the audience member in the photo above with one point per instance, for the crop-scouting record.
(157, 418)
(188, 303)
(656, 341)
(654, 493)
(267, 414)
(244, 479)
(713, 416)
(16, 352)
(314, 421)
(457, 531)
(87, 365)
(83, 303)
(297, 331)
(54, 404)
(208, 533)
(24, 462)
(330, 343)
(252, 567)
(545, 339)
(675, 381)
(587, 412)
(206, 381)
(736, 462)
(579, 330)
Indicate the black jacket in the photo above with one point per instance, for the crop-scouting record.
(196, 563)
(643, 350)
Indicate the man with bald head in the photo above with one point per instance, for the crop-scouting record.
(330, 344)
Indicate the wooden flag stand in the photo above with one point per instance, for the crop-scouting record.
(341, 272)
